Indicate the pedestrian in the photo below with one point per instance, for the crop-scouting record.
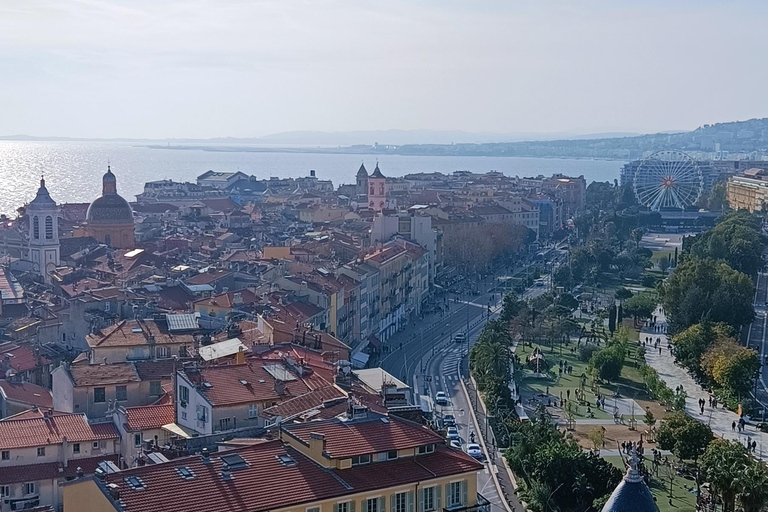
(733, 426)
(659, 350)
(568, 393)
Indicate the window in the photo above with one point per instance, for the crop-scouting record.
(107, 306)
(392, 455)
(95, 445)
(384, 456)
(426, 449)
(6, 455)
(99, 396)
(253, 411)
(313, 509)
(35, 228)
(183, 415)
(155, 388)
(374, 505)
(347, 506)
(49, 228)
(41, 451)
(162, 352)
(29, 488)
(401, 502)
(430, 499)
(456, 493)
(5, 490)
(136, 439)
(184, 395)
(76, 448)
(121, 393)
(224, 424)
(359, 460)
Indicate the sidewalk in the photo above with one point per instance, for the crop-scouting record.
(719, 419)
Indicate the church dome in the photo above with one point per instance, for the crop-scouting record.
(631, 495)
(110, 208)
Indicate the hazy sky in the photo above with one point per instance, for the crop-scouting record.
(196, 68)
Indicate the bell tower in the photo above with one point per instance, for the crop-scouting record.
(44, 245)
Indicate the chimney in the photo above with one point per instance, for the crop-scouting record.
(225, 472)
(79, 472)
(64, 450)
(240, 358)
(237, 298)
(279, 387)
(316, 442)
(205, 457)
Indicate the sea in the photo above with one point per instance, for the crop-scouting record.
(73, 170)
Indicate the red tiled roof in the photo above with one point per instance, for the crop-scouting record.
(443, 462)
(267, 484)
(51, 470)
(226, 388)
(46, 431)
(22, 358)
(27, 393)
(150, 416)
(304, 403)
(103, 374)
(122, 334)
(227, 300)
(376, 434)
(208, 277)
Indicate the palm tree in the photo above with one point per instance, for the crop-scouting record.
(753, 493)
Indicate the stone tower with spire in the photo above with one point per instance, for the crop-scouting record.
(377, 190)
(362, 181)
(44, 245)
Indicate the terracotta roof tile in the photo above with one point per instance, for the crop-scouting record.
(306, 402)
(22, 358)
(103, 374)
(136, 332)
(372, 435)
(150, 416)
(47, 431)
(51, 470)
(27, 393)
(226, 387)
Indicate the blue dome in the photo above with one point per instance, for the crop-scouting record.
(631, 495)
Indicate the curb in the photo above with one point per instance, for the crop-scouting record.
(482, 443)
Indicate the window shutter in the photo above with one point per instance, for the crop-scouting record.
(382, 504)
(438, 497)
(352, 506)
(393, 502)
(336, 507)
(464, 492)
(409, 507)
(421, 500)
(448, 502)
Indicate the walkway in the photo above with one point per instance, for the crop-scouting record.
(719, 419)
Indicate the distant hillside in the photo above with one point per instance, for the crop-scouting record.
(735, 137)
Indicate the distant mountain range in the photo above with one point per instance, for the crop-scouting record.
(750, 137)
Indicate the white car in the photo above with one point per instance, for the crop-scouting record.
(452, 433)
(474, 450)
(441, 398)
(456, 444)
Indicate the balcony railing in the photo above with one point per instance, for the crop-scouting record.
(482, 505)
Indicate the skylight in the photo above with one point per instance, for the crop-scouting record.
(135, 483)
(185, 473)
(235, 461)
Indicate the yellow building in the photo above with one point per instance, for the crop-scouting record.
(748, 191)
(361, 462)
(109, 218)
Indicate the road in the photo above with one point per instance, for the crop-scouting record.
(758, 333)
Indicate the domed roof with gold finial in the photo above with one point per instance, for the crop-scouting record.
(110, 208)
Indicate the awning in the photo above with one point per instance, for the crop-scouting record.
(178, 430)
(359, 360)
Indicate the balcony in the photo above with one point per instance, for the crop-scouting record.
(483, 505)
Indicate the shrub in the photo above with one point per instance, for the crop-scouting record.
(587, 351)
(648, 281)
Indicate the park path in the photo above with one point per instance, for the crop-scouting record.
(719, 419)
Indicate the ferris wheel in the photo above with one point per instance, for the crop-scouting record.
(668, 179)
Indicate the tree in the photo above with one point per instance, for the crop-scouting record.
(562, 277)
(510, 307)
(641, 305)
(623, 293)
(723, 464)
(649, 419)
(620, 314)
(636, 235)
(664, 265)
(753, 494)
(731, 365)
(691, 344)
(608, 362)
(612, 318)
(705, 288)
(737, 240)
(684, 436)
(597, 436)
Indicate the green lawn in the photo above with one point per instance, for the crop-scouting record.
(682, 499)
(530, 387)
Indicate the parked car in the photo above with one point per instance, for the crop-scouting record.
(441, 398)
(452, 433)
(474, 450)
(449, 420)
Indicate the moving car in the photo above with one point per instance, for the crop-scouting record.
(460, 337)
(456, 444)
(474, 450)
(452, 433)
(449, 420)
(441, 398)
